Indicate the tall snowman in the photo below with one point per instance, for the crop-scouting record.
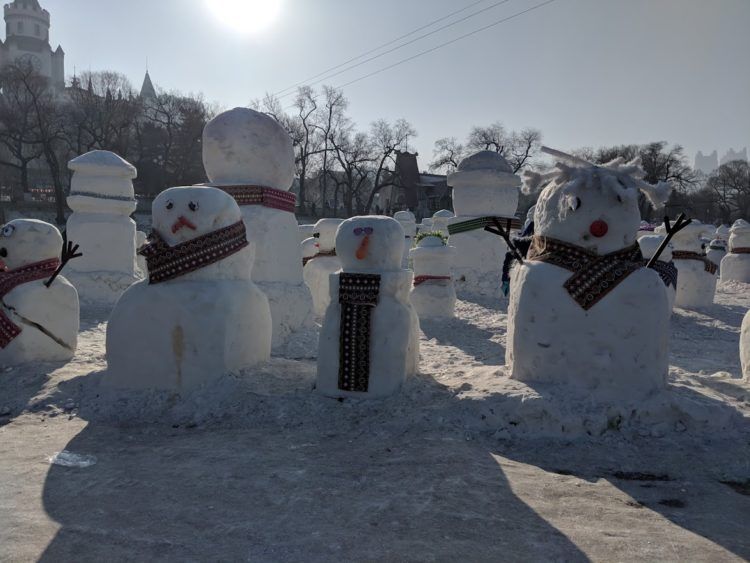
(198, 316)
(408, 222)
(102, 200)
(735, 266)
(433, 295)
(38, 322)
(485, 191)
(584, 310)
(249, 155)
(369, 340)
(696, 278)
(325, 262)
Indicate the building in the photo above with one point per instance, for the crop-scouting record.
(419, 192)
(27, 27)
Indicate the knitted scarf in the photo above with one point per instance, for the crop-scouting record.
(709, 266)
(9, 280)
(740, 250)
(261, 195)
(419, 280)
(594, 275)
(168, 262)
(358, 295)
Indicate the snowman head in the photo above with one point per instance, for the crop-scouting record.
(325, 232)
(371, 243)
(26, 241)
(245, 147)
(595, 207)
(650, 244)
(309, 247)
(185, 213)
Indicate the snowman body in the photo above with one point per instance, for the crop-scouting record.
(716, 251)
(617, 347)
(249, 155)
(696, 284)
(649, 244)
(745, 346)
(47, 316)
(735, 266)
(483, 186)
(393, 328)
(433, 295)
(189, 331)
(440, 221)
(408, 222)
(102, 200)
(318, 270)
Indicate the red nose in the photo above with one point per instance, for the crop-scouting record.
(599, 228)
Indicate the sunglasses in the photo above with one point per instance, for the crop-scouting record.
(363, 231)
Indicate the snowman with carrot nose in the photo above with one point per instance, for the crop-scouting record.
(369, 340)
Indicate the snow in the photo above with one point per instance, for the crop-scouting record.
(649, 244)
(409, 223)
(433, 298)
(734, 266)
(102, 200)
(317, 271)
(441, 219)
(47, 316)
(182, 333)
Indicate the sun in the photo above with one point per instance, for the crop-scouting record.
(246, 16)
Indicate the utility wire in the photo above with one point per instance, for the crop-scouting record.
(391, 42)
(392, 49)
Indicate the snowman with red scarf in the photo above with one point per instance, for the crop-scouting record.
(584, 309)
(39, 312)
(369, 341)
(198, 316)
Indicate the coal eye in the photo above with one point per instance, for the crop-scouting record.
(619, 198)
(170, 205)
(193, 206)
(8, 230)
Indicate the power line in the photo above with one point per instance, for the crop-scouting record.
(440, 46)
(392, 41)
(391, 50)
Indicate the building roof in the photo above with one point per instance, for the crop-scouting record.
(147, 89)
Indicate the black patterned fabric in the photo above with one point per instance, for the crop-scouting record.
(708, 266)
(168, 262)
(358, 295)
(594, 275)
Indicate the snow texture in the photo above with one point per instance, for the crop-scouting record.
(433, 299)
(182, 333)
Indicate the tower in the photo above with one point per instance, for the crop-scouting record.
(27, 27)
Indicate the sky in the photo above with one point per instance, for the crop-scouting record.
(584, 72)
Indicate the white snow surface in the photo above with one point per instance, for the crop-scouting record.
(463, 464)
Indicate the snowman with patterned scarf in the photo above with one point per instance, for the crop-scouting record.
(319, 267)
(433, 295)
(198, 316)
(369, 341)
(735, 266)
(696, 279)
(39, 314)
(249, 155)
(585, 311)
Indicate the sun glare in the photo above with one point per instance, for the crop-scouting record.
(246, 16)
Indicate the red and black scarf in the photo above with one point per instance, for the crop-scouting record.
(740, 250)
(169, 262)
(419, 280)
(11, 279)
(708, 266)
(261, 195)
(594, 275)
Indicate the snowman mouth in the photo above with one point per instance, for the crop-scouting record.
(181, 223)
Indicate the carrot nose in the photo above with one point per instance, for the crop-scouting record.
(363, 246)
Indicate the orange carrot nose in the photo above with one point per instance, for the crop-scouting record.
(363, 246)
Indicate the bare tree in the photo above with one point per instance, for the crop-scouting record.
(386, 141)
(446, 155)
(730, 186)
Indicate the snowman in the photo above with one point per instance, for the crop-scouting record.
(318, 270)
(369, 340)
(716, 251)
(649, 244)
(696, 279)
(735, 266)
(198, 316)
(440, 221)
(409, 224)
(249, 155)
(745, 346)
(433, 295)
(309, 250)
(38, 320)
(585, 311)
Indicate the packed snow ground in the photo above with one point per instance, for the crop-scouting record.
(464, 464)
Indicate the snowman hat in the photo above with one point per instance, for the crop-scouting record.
(623, 177)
